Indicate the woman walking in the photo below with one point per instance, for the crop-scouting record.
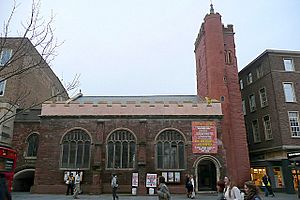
(252, 191)
(231, 192)
(220, 190)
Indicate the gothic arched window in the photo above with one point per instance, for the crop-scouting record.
(121, 149)
(33, 145)
(170, 150)
(76, 149)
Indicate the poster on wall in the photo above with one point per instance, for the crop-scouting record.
(135, 179)
(177, 177)
(151, 180)
(171, 177)
(165, 175)
(204, 137)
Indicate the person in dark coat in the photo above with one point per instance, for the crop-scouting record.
(4, 193)
(220, 190)
(252, 191)
(268, 186)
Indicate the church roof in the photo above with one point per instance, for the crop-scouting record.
(157, 105)
(166, 99)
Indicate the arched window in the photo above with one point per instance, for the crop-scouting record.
(170, 150)
(76, 149)
(121, 147)
(33, 145)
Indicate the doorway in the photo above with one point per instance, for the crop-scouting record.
(207, 176)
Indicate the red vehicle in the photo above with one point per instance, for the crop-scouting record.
(8, 158)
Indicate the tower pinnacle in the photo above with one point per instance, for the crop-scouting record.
(212, 11)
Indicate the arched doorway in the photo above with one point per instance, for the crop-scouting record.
(207, 172)
(23, 180)
(207, 176)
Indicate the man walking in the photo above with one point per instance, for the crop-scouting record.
(77, 185)
(114, 185)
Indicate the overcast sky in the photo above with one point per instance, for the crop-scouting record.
(139, 47)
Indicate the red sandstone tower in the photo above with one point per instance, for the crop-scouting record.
(217, 78)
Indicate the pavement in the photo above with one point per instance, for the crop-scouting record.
(27, 196)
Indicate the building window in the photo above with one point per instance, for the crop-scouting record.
(289, 92)
(228, 57)
(255, 131)
(76, 146)
(2, 87)
(267, 127)
(252, 103)
(33, 145)
(249, 78)
(259, 72)
(241, 84)
(170, 150)
(244, 107)
(5, 56)
(294, 123)
(263, 97)
(288, 64)
(121, 150)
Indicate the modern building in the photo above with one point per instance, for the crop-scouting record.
(270, 90)
(143, 137)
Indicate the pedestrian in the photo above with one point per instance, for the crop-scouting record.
(77, 185)
(187, 182)
(70, 184)
(4, 193)
(252, 191)
(268, 187)
(162, 190)
(231, 192)
(114, 186)
(193, 194)
(220, 190)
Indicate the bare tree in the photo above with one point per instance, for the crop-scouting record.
(31, 52)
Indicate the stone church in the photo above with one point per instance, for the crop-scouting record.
(142, 137)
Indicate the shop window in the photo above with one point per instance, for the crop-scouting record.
(76, 149)
(256, 175)
(121, 150)
(296, 178)
(278, 177)
(170, 150)
(33, 143)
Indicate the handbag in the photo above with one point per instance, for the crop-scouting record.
(67, 182)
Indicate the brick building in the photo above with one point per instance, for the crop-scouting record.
(168, 135)
(270, 90)
(25, 80)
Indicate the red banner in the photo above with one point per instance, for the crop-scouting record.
(204, 137)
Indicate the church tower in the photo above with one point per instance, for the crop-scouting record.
(217, 78)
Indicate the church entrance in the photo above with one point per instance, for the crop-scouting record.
(207, 176)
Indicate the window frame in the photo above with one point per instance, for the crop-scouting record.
(27, 142)
(249, 78)
(89, 140)
(1, 56)
(258, 138)
(290, 125)
(134, 161)
(252, 107)
(244, 107)
(4, 85)
(262, 104)
(265, 128)
(293, 92)
(241, 84)
(292, 65)
(182, 141)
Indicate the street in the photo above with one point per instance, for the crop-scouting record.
(27, 196)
